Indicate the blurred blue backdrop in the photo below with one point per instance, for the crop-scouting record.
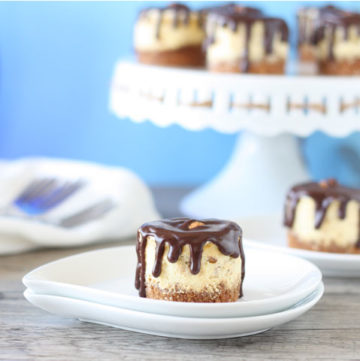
(56, 63)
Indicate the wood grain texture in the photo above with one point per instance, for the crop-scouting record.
(330, 331)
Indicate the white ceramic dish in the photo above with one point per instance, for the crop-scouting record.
(273, 282)
(170, 326)
(267, 233)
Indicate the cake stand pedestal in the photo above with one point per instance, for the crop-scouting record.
(256, 176)
(269, 111)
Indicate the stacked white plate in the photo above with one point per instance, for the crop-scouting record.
(98, 287)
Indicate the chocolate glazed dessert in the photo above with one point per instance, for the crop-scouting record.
(308, 19)
(331, 37)
(171, 35)
(241, 39)
(188, 260)
(323, 216)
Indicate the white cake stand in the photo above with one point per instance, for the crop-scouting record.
(271, 110)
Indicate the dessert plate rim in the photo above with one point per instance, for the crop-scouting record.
(304, 253)
(331, 264)
(164, 325)
(40, 281)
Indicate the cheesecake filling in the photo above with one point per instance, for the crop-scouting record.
(174, 276)
(230, 46)
(343, 233)
(171, 28)
(324, 214)
(340, 44)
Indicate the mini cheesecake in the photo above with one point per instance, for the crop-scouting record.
(323, 216)
(331, 37)
(188, 260)
(172, 36)
(307, 21)
(243, 40)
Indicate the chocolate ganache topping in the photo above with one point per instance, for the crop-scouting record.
(231, 15)
(323, 193)
(329, 19)
(310, 18)
(178, 232)
(181, 15)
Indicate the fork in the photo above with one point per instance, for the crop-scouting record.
(42, 195)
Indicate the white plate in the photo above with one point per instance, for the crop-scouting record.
(170, 326)
(267, 233)
(273, 282)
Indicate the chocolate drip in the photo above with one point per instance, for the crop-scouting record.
(177, 233)
(246, 63)
(179, 11)
(272, 25)
(331, 43)
(323, 194)
(232, 15)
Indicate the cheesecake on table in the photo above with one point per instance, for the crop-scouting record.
(171, 35)
(323, 216)
(189, 260)
(244, 40)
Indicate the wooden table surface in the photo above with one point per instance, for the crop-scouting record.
(330, 331)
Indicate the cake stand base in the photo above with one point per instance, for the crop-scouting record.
(254, 181)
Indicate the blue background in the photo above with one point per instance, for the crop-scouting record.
(56, 63)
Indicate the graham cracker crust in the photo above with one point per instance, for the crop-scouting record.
(262, 67)
(222, 294)
(343, 67)
(307, 53)
(190, 56)
(294, 242)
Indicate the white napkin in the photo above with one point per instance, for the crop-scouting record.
(134, 204)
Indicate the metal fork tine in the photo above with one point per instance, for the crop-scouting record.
(88, 214)
(30, 189)
(60, 194)
(36, 189)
